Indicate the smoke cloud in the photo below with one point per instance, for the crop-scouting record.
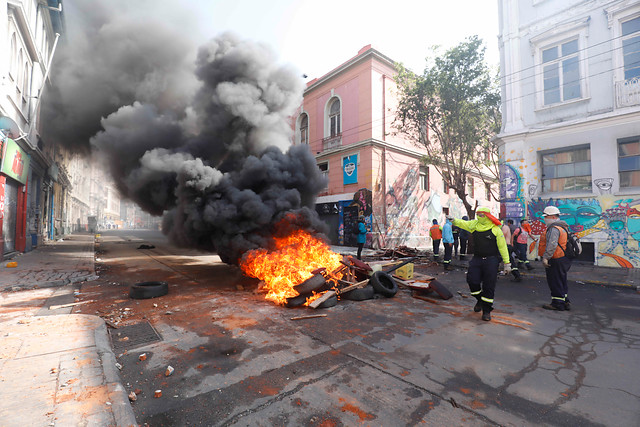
(202, 136)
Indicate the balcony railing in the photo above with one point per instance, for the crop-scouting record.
(331, 142)
(628, 92)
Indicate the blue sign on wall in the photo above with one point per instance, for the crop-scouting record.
(350, 169)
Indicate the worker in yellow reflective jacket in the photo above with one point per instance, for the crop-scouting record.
(490, 247)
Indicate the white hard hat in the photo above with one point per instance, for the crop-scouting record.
(551, 210)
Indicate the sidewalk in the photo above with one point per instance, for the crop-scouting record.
(54, 264)
(55, 370)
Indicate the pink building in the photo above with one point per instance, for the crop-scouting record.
(346, 119)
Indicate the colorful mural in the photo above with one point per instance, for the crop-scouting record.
(613, 225)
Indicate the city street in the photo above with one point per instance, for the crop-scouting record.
(241, 360)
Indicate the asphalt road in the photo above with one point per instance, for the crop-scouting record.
(240, 360)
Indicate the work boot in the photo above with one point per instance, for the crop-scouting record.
(486, 316)
(529, 266)
(553, 307)
(567, 304)
(477, 307)
(517, 279)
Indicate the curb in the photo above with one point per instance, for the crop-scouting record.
(120, 406)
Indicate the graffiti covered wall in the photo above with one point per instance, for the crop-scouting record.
(609, 225)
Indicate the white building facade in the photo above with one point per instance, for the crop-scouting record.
(570, 78)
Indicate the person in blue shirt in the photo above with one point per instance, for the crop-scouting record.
(362, 235)
(447, 240)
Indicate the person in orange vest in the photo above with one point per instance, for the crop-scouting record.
(435, 232)
(553, 244)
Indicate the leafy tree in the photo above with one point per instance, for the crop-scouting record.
(452, 110)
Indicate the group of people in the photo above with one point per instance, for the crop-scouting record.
(453, 237)
(495, 242)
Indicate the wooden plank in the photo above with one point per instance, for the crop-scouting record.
(354, 286)
(55, 307)
(323, 298)
(308, 317)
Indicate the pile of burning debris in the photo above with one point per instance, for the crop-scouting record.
(354, 280)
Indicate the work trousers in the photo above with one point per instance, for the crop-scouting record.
(436, 248)
(481, 277)
(360, 246)
(456, 243)
(557, 279)
(463, 247)
(514, 266)
(448, 249)
(521, 253)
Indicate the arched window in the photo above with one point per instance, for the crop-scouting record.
(334, 118)
(304, 129)
(14, 54)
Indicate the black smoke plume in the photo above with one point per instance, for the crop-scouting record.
(205, 143)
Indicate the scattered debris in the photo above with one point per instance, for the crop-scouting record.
(145, 246)
(119, 366)
(142, 357)
(133, 396)
(308, 317)
(169, 371)
(157, 393)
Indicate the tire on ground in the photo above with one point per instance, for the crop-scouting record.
(360, 294)
(383, 284)
(329, 302)
(296, 301)
(313, 283)
(145, 290)
(440, 289)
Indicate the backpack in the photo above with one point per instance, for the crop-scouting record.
(574, 248)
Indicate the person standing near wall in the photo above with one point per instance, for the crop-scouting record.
(506, 231)
(447, 240)
(552, 247)
(489, 248)
(362, 235)
(435, 232)
(520, 241)
(464, 238)
(456, 239)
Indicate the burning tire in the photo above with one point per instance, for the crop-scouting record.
(360, 294)
(313, 283)
(145, 290)
(296, 301)
(383, 284)
(329, 302)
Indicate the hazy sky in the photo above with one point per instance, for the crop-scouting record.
(316, 36)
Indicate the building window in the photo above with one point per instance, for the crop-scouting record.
(445, 186)
(324, 169)
(470, 188)
(629, 162)
(334, 118)
(561, 72)
(304, 129)
(566, 170)
(14, 55)
(631, 48)
(424, 178)
(487, 191)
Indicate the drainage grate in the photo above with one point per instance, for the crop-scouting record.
(131, 336)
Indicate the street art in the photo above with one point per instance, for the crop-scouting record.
(411, 211)
(613, 225)
(604, 185)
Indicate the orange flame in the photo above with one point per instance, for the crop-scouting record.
(289, 263)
